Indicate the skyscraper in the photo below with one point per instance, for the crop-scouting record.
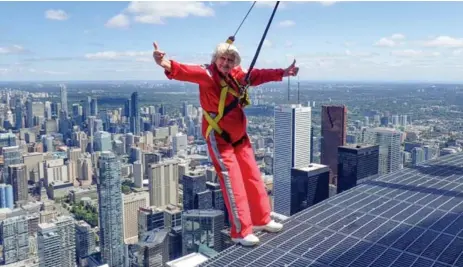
(29, 114)
(356, 162)
(18, 179)
(64, 99)
(49, 245)
(66, 230)
(333, 131)
(11, 155)
(201, 228)
(6, 196)
(389, 148)
(134, 114)
(15, 241)
(110, 210)
(85, 241)
(292, 149)
(93, 107)
(19, 118)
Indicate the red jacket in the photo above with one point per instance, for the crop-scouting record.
(208, 79)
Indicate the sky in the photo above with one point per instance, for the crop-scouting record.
(331, 41)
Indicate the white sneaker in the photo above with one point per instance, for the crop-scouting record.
(249, 240)
(272, 227)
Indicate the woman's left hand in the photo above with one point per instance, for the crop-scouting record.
(292, 70)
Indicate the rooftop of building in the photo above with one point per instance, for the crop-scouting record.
(413, 217)
(153, 238)
(200, 213)
(312, 167)
(357, 146)
(189, 260)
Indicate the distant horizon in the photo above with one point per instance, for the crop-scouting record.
(293, 80)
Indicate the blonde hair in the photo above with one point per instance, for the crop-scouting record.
(225, 48)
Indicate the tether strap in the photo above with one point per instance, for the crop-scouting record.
(256, 55)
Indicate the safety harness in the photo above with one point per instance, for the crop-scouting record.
(240, 98)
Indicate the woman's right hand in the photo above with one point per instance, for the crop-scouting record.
(159, 57)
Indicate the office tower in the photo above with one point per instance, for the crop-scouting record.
(85, 240)
(97, 125)
(202, 228)
(127, 108)
(29, 114)
(403, 120)
(135, 114)
(102, 141)
(418, 155)
(49, 243)
(138, 174)
(395, 120)
(7, 139)
(110, 210)
(389, 141)
(333, 131)
(192, 185)
(163, 183)
(6, 196)
(47, 142)
(18, 178)
(132, 203)
(93, 107)
(150, 218)
(19, 116)
(86, 112)
(172, 217)
(356, 162)
(179, 143)
(152, 250)
(162, 109)
(309, 186)
(64, 99)
(11, 155)
(185, 108)
(15, 239)
(291, 149)
(312, 148)
(66, 230)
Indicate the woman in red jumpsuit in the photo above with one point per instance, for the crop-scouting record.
(243, 189)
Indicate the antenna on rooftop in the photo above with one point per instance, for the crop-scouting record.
(289, 89)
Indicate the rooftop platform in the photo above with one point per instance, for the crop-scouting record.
(413, 217)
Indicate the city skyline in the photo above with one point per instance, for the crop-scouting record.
(62, 41)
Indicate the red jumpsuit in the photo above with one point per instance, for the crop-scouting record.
(243, 189)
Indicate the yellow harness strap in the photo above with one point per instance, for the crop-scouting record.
(213, 122)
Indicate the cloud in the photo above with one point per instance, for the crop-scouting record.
(15, 49)
(287, 23)
(348, 44)
(444, 41)
(385, 42)
(269, 4)
(56, 14)
(267, 43)
(157, 12)
(390, 41)
(51, 72)
(327, 3)
(397, 36)
(414, 53)
(119, 21)
(288, 44)
(111, 55)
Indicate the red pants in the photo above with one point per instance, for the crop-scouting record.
(243, 189)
